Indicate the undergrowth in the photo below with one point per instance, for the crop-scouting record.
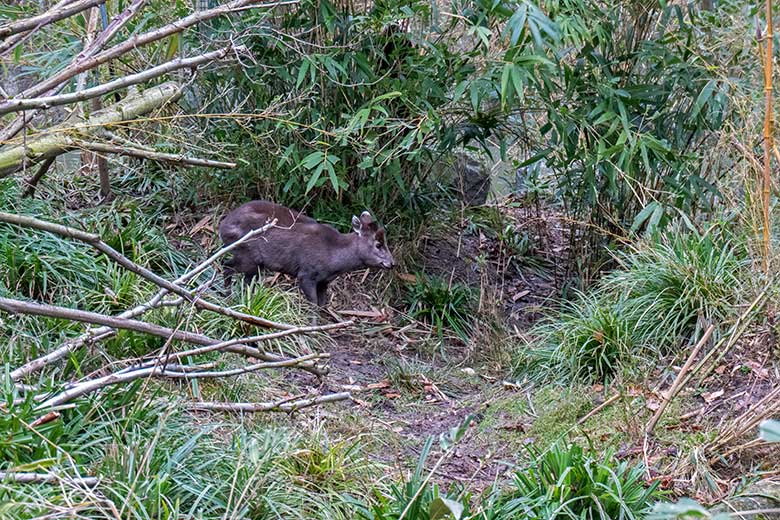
(662, 295)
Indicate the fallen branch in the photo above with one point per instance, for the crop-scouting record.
(280, 406)
(90, 50)
(237, 346)
(35, 179)
(116, 378)
(598, 409)
(20, 104)
(50, 16)
(45, 478)
(59, 138)
(97, 243)
(677, 384)
(170, 158)
(54, 311)
(106, 332)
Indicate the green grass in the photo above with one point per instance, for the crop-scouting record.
(657, 302)
(444, 305)
(567, 483)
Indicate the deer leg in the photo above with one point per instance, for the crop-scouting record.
(308, 288)
(322, 294)
(228, 270)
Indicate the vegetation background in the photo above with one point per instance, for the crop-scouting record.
(582, 324)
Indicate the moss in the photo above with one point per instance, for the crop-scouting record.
(558, 409)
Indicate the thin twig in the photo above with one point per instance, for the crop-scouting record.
(598, 408)
(35, 179)
(121, 377)
(48, 17)
(20, 104)
(281, 406)
(97, 243)
(169, 158)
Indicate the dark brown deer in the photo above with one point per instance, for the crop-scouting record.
(300, 246)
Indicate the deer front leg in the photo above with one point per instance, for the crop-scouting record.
(322, 294)
(308, 287)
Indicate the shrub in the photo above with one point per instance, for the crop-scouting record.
(443, 304)
(566, 483)
(653, 304)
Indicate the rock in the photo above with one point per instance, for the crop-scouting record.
(471, 179)
(764, 494)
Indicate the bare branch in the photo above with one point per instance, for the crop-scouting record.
(46, 18)
(54, 311)
(143, 39)
(45, 478)
(104, 248)
(234, 345)
(106, 332)
(19, 104)
(169, 158)
(35, 179)
(92, 48)
(116, 378)
(281, 406)
(58, 139)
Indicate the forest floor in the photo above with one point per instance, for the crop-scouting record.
(408, 383)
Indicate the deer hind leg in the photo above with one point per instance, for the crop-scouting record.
(228, 270)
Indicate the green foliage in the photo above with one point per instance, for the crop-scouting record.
(443, 304)
(652, 305)
(566, 483)
(591, 337)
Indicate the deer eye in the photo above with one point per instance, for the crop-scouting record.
(380, 245)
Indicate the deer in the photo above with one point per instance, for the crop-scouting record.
(314, 253)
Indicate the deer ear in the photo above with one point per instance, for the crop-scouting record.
(366, 218)
(356, 225)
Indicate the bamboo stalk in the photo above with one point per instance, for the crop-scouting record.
(59, 138)
(768, 134)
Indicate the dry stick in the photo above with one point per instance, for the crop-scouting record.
(730, 340)
(170, 158)
(92, 385)
(46, 18)
(234, 345)
(97, 243)
(59, 138)
(678, 380)
(45, 478)
(20, 104)
(280, 406)
(768, 134)
(54, 311)
(185, 372)
(35, 179)
(599, 408)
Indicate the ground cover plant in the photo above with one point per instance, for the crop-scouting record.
(581, 323)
